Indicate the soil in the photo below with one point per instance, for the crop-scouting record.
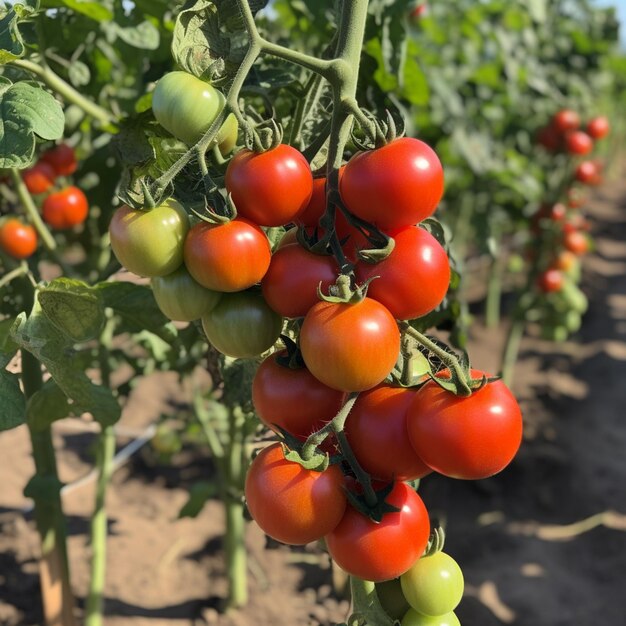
(541, 544)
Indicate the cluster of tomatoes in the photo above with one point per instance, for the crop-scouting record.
(63, 206)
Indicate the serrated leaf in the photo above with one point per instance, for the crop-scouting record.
(11, 43)
(199, 493)
(74, 307)
(26, 111)
(47, 405)
(13, 407)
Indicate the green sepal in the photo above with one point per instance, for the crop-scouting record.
(376, 511)
(318, 462)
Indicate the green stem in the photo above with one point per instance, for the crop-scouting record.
(20, 270)
(66, 91)
(494, 293)
(511, 349)
(366, 606)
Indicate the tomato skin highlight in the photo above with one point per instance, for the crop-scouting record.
(292, 280)
(566, 120)
(360, 363)
(241, 325)
(65, 208)
(397, 185)
(17, 239)
(468, 438)
(599, 127)
(382, 551)
(293, 399)
(413, 280)
(181, 298)
(588, 173)
(377, 433)
(227, 257)
(150, 243)
(62, 158)
(292, 504)
(270, 188)
(434, 584)
(39, 178)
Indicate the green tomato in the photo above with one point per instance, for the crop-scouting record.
(434, 585)
(391, 598)
(150, 243)
(181, 298)
(413, 618)
(186, 106)
(242, 325)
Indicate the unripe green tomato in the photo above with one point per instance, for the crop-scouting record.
(181, 298)
(391, 598)
(434, 585)
(574, 297)
(413, 618)
(242, 325)
(573, 321)
(150, 243)
(186, 106)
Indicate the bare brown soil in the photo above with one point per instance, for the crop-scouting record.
(542, 544)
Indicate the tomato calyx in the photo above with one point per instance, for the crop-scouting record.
(373, 509)
(264, 136)
(318, 462)
(378, 132)
(345, 291)
(436, 540)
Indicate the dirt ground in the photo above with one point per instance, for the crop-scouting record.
(542, 544)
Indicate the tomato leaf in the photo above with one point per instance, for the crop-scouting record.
(27, 111)
(11, 43)
(93, 10)
(13, 411)
(199, 493)
(144, 36)
(47, 405)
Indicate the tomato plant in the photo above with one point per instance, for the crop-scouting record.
(588, 173)
(579, 142)
(576, 242)
(39, 178)
(62, 158)
(65, 208)
(292, 504)
(550, 281)
(566, 120)
(17, 239)
(599, 127)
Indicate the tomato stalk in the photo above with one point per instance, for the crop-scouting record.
(366, 605)
(494, 292)
(511, 348)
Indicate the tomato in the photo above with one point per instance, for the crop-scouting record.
(17, 239)
(588, 173)
(186, 107)
(397, 185)
(227, 257)
(576, 197)
(566, 120)
(434, 585)
(292, 504)
(39, 178)
(550, 281)
(350, 347)
(310, 215)
(576, 242)
(413, 618)
(181, 298)
(293, 399)
(293, 278)
(413, 279)
(385, 550)
(150, 243)
(65, 208)
(270, 188)
(391, 598)
(550, 138)
(241, 325)
(377, 433)
(62, 158)
(578, 142)
(471, 438)
(558, 212)
(565, 261)
(599, 127)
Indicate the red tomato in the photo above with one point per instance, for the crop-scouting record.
(578, 142)
(65, 208)
(350, 347)
(227, 257)
(576, 242)
(566, 120)
(588, 173)
(565, 261)
(292, 504)
(550, 281)
(599, 127)
(17, 239)
(316, 206)
(293, 398)
(270, 188)
(377, 433)
(39, 178)
(413, 279)
(550, 138)
(397, 185)
(471, 438)
(292, 280)
(386, 550)
(558, 212)
(62, 158)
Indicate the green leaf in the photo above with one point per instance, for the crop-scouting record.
(74, 307)
(13, 410)
(48, 405)
(7, 346)
(144, 36)
(79, 73)
(43, 489)
(26, 111)
(11, 43)
(93, 10)
(199, 493)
